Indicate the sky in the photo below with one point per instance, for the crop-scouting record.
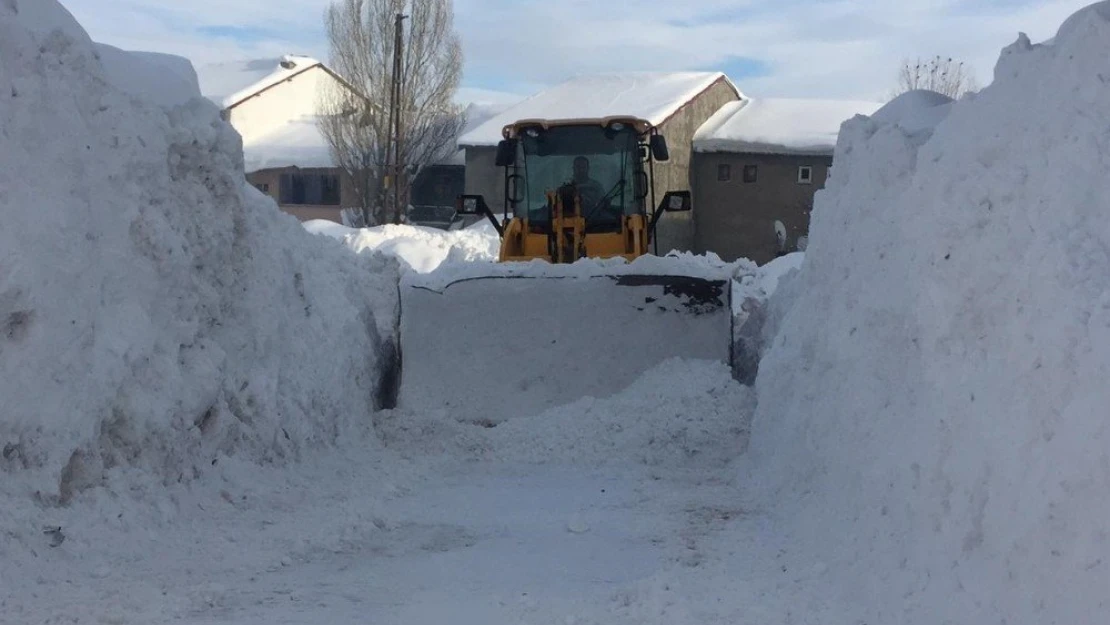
(769, 48)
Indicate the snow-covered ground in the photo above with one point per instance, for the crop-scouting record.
(610, 511)
(191, 385)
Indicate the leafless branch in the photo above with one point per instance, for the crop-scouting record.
(355, 118)
(944, 75)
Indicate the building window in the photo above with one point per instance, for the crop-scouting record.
(263, 187)
(805, 174)
(309, 188)
(724, 172)
(750, 172)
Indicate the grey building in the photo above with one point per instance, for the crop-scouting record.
(757, 166)
(678, 103)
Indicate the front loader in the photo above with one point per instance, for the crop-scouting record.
(578, 189)
(576, 304)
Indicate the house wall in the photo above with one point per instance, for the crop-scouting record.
(676, 230)
(269, 182)
(484, 177)
(735, 219)
(288, 100)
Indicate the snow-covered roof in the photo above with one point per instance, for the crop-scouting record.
(476, 115)
(653, 96)
(296, 143)
(778, 125)
(229, 83)
(299, 143)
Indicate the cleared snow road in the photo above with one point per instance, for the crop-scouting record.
(614, 510)
(472, 543)
(484, 545)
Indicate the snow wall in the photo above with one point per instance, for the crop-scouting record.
(156, 311)
(933, 411)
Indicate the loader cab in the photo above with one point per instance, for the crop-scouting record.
(578, 188)
(598, 169)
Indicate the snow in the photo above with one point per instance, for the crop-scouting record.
(160, 78)
(156, 312)
(192, 428)
(220, 80)
(772, 273)
(490, 348)
(707, 266)
(778, 125)
(601, 520)
(653, 96)
(676, 414)
(420, 249)
(493, 98)
(296, 142)
(477, 113)
(931, 421)
(287, 67)
(45, 18)
(915, 112)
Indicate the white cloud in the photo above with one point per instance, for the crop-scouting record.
(832, 48)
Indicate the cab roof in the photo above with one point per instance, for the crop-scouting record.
(642, 126)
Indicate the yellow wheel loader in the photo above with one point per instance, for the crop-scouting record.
(578, 189)
(577, 305)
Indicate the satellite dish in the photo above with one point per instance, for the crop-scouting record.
(780, 234)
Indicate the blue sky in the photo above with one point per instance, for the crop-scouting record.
(800, 48)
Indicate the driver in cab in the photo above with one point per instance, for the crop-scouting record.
(589, 189)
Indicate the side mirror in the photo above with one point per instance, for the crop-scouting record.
(506, 153)
(476, 205)
(675, 202)
(659, 148)
(471, 205)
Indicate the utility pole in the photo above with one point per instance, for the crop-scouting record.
(395, 122)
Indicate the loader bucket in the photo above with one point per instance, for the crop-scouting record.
(488, 348)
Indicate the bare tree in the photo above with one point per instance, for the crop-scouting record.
(356, 116)
(943, 75)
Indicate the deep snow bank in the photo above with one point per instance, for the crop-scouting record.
(155, 311)
(932, 417)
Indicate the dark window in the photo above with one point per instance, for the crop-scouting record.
(308, 188)
(263, 187)
(330, 191)
(750, 172)
(724, 172)
(805, 174)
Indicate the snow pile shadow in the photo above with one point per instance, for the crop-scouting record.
(681, 413)
(155, 311)
(932, 413)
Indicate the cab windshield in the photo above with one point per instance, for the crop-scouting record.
(600, 163)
